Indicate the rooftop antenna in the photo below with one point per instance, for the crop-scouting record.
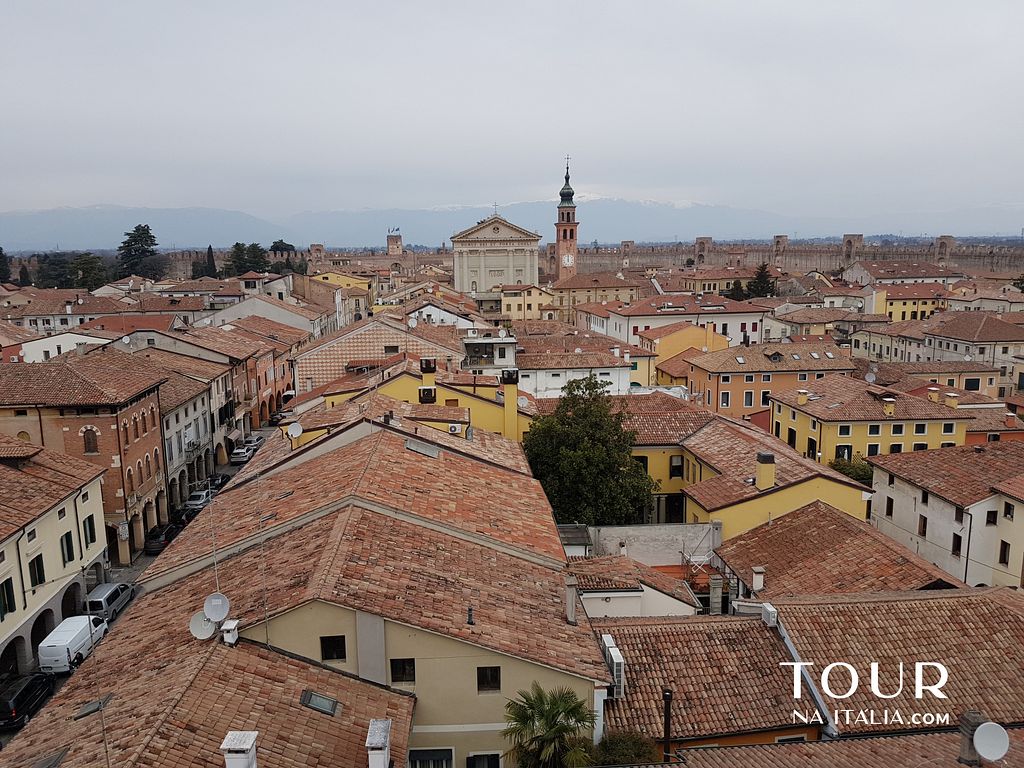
(495, 207)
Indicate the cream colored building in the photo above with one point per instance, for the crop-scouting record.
(494, 252)
(53, 547)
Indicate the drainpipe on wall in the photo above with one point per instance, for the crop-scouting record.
(967, 554)
(21, 572)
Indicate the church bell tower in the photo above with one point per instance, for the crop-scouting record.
(566, 229)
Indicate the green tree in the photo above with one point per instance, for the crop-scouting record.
(301, 267)
(627, 748)
(256, 255)
(280, 246)
(762, 284)
(211, 262)
(238, 261)
(136, 253)
(1018, 283)
(736, 291)
(5, 267)
(855, 468)
(23, 276)
(88, 271)
(582, 456)
(545, 728)
(54, 270)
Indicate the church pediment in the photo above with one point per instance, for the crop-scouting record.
(495, 228)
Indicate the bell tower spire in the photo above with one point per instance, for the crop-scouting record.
(566, 229)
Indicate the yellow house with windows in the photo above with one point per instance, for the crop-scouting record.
(910, 301)
(526, 302)
(839, 417)
(669, 340)
(344, 280)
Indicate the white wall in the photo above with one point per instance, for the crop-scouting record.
(38, 350)
(551, 381)
(644, 602)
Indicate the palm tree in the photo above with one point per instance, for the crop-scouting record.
(544, 728)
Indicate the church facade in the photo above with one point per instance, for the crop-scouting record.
(492, 253)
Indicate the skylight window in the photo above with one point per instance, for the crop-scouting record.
(815, 355)
(319, 702)
(741, 360)
(796, 356)
(93, 707)
(829, 355)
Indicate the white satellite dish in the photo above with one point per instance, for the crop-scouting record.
(578, 350)
(81, 300)
(870, 378)
(522, 402)
(294, 430)
(126, 339)
(991, 741)
(216, 607)
(201, 627)
(967, 358)
(412, 322)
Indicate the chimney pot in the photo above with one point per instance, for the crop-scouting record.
(969, 722)
(1011, 420)
(378, 743)
(571, 583)
(757, 583)
(952, 400)
(715, 582)
(933, 394)
(765, 477)
(239, 749)
(801, 396)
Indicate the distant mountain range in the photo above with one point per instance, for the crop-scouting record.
(604, 219)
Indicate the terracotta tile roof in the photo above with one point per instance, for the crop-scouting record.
(596, 308)
(974, 326)
(814, 315)
(302, 310)
(916, 291)
(15, 334)
(125, 324)
(775, 357)
(993, 420)
(635, 403)
(33, 480)
(933, 750)
(724, 670)
(666, 428)
(678, 366)
(176, 389)
(665, 330)
(271, 330)
(668, 304)
(1012, 487)
(74, 379)
(451, 489)
(374, 406)
(54, 301)
(962, 475)
(253, 275)
(175, 698)
(967, 630)
(844, 398)
(611, 572)
(371, 329)
(882, 270)
(196, 367)
(151, 302)
(822, 550)
(583, 281)
(202, 284)
(806, 338)
(557, 360)
(224, 342)
(730, 447)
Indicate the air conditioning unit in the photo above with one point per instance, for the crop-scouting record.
(618, 666)
(471, 333)
(454, 429)
(769, 615)
(428, 395)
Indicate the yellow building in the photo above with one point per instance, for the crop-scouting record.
(53, 546)
(592, 287)
(526, 302)
(669, 340)
(344, 280)
(842, 417)
(910, 301)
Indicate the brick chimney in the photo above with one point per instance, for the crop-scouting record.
(801, 396)
(715, 582)
(571, 583)
(757, 582)
(1011, 421)
(765, 477)
(933, 394)
(969, 722)
(239, 749)
(378, 744)
(952, 400)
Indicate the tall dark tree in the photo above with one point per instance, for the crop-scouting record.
(736, 291)
(136, 252)
(280, 246)
(88, 271)
(238, 261)
(211, 263)
(582, 456)
(5, 267)
(301, 267)
(256, 255)
(23, 276)
(1018, 283)
(762, 284)
(53, 270)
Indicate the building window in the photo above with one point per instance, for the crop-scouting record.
(90, 443)
(748, 399)
(844, 430)
(991, 517)
(897, 429)
(31, 536)
(724, 396)
(925, 496)
(920, 446)
(332, 647)
(891, 481)
(390, 349)
(89, 530)
(403, 670)
(726, 378)
(957, 542)
(888, 506)
(642, 461)
(675, 466)
(948, 428)
(801, 377)
(922, 526)
(36, 571)
(488, 679)
(1008, 510)
(430, 758)
(844, 452)
(920, 429)
(766, 377)
(135, 427)
(1004, 553)
(895, 447)
(873, 449)
(765, 398)
(67, 548)
(7, 602)
(488, 760)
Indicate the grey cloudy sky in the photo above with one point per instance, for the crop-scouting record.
(822, 108)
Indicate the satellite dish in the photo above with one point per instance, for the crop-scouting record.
(81, 300)
(967, 358)
(578, 350)
(201, 627)
(522, 402)
(502, 333)
(412, 322)
(126, 339)
(870, 378)
(294, 430)
(991, 741)
(216, 607)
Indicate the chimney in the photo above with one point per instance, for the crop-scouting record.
(239, 749)
(952, 400)
(801, 396)
(428, 367)
(969, 722)
(622, 549)
(933, 394)
(615, 351)
(765, 477)
(757, 583)
(510, 392)
(1010, 420)
(889, 406)
(716, 594)
(81, 347)
(378, 744)
(571, 582)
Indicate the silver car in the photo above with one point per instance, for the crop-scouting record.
(108, 600)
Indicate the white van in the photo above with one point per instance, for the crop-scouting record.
(67, 646)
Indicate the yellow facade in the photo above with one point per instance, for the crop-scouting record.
(525, 302)
(450, 712)
(689, 337)
(342, 280)
(908, 309)
(824, 441)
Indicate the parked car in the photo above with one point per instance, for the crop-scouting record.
(242, 454)
(218, 481)
(67, 646)
(159, 537)
(198, 499)
(108, 600)
(22, 697)
(255, 440)
(276, 418)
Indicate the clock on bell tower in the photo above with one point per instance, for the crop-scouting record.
(566, 230)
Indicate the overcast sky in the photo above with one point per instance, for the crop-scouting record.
(819, 108)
